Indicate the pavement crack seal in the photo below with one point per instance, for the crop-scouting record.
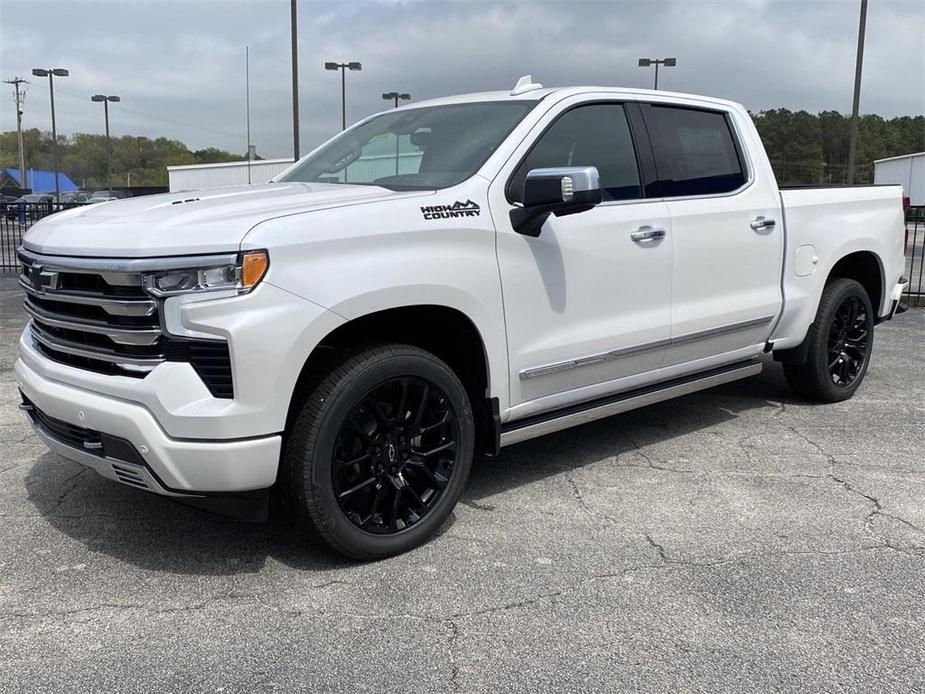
(659, 549)
(451, 647)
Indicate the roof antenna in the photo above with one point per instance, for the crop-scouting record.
(525, 84)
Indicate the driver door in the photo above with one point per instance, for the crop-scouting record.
(587, 302)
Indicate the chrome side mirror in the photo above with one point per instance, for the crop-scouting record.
(559, 191)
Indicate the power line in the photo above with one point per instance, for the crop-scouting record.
(151, 116)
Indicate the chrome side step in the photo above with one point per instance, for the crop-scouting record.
(539, 425)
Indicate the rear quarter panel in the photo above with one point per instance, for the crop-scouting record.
(825, 225)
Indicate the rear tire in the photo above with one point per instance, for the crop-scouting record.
(379, 454)
(840, 341)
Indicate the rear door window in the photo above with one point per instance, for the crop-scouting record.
(695, 151)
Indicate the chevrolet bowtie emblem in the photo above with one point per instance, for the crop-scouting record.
(42, 279)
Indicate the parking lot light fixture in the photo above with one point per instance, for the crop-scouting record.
(389, 96)
(51, 73)
(343, 67)
(648, 62)
(106, 100)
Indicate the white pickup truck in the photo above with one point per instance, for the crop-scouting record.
(437, 282)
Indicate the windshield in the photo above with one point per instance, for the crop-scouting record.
(414, 149)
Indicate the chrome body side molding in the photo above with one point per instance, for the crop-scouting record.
(547, 369)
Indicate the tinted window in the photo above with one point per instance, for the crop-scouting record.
(421, 148)
(595, 135)
(695, 151)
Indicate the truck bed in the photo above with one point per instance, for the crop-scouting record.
(824, 224)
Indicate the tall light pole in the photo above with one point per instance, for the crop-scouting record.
(389, 96)
(343, 67)
(294, 38)
(106, 100)
(51, 73)
(853, 140)
(19, 97)
(667, 62)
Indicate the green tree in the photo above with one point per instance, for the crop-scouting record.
(136, 161)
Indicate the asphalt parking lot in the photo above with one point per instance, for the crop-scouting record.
(735, 540)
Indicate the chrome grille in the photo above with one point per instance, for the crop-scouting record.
(94, 314)
(82, 315)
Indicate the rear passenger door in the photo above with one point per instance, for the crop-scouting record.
(727, 233)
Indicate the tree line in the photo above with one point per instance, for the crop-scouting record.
(136, 161)
(803, 147)
(812, 148)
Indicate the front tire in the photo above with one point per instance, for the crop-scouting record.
(379, 454)
(839, 345)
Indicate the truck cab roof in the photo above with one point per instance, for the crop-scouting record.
(529, 91)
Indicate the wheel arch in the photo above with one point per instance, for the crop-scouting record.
(862, 266)
(866, 268)
(445, 331)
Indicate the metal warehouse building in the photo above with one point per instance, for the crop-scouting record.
(908, 170)
(381, 157)
(235, 173)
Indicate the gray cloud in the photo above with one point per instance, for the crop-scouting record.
(179, 66)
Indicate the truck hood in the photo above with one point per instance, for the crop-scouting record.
(189, 222)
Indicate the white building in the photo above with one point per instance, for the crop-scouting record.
(908, 170)
(234, 173)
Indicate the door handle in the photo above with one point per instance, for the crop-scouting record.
(762, 224)
(647, 234)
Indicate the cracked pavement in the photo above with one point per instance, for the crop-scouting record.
(738, 540)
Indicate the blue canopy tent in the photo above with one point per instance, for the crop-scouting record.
(39, 181)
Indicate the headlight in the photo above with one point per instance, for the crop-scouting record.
(241, 276)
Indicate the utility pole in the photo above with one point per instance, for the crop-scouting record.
(19, 98)
(294, 36)
(853, 141)
(247, 106)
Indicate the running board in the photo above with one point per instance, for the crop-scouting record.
(539, 425)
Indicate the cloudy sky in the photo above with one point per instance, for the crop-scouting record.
(179, 66)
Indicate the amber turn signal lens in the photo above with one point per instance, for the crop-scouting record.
(253, 268)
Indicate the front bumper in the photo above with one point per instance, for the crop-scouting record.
(164, 465)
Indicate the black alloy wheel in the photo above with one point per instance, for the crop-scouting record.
(379, 451)
(838, 344)
(849, 341)
(395, 454)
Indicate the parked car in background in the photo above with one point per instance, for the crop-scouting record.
(5, 200)
(75, 197)
(353, 333)
(105, 196)
(31, 201)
